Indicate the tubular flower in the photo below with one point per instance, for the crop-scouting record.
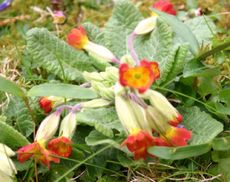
(164, 107)
(61, 146)
(38, 152)
(138, 142)
(165, 6)
(133, 119)
(78, 39)
(170, 135)
(139, 77)
(48, 103)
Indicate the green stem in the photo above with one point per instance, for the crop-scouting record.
(216, 49)
(82, 162)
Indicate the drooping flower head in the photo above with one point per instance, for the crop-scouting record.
(78, 37)
(165, 6)
(61, 146)
(139, 77)
(138, 142)
(38, 152)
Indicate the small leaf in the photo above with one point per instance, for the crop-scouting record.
(221, 144)
(96, 138)
(103, 119)
(62, 90)
(10, 87)
(204, 128)
(176, 153)
(11, 137)
(181, 29)
(225, 95)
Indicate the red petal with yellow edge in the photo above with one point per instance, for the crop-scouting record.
(77, 37)
(138, 144)
(61, 146)
(177, 136)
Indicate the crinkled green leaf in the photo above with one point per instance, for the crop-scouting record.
(200, 27)
(55, 55)
(62, 90)
(104, 120)
(204, 128)
(156, 45)
(18, 113)
(124, 19)
(11, 137)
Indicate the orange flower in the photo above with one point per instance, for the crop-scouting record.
(39, 153)
(78, 37)
(165, 6)
(61, 146)
(139, 77)
(177, 136)
(138, 143)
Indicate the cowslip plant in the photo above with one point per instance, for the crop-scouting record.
(125, 72)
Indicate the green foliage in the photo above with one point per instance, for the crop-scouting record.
(62, 90)
(175, 153)
(203, 28)
(182, 30)
(18, 113)
(10, 87)
(55, 56)
(124, 19)
(11, 137)
(204, 128)
(103, 119)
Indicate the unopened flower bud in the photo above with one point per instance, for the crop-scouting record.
(100, 52)
(59, 17)
(145, 26)
(68, 125)
(48, 103)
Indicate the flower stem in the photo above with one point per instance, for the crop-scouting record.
(131, 48)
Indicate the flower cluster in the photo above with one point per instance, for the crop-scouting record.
(45, 149)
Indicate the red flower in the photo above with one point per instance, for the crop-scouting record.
(39, 153)
(138, 143)
(77, 37)
(139, 77)
(177, 136)
(165, 6)
(46, 104)
(61, 146)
